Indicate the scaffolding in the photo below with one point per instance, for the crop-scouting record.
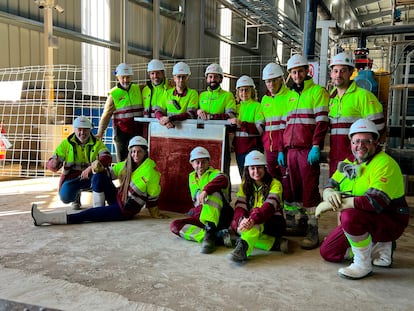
(400, 142)
(35, 123)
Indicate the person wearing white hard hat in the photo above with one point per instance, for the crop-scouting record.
(305, 124)
(153, 93)
(368, 191)
(348, 103)
(211, 213)
(181, 102)
(123, 104)
(74, 156)
(249, 123)
(258, 214)
(215, 103)
(273, 104)
(139, 187)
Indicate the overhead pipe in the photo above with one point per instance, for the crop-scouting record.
(156, 29)
(378, 31)
(309, 33)
(123, 44)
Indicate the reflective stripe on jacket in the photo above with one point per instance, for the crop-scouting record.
(153, 96)
(355, 103)
(128, 105)
(144, 188)
(306, 118)
(218, 103)
(212, 206)
(273, 109)
(175, 104)
(251, 128)
(377, 187)
(260, 208)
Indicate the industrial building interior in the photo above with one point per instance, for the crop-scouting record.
(57, 62)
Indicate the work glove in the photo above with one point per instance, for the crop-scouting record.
(314, 155)
(347, 203)
(333, 197)
(322, 208)
(281, 159)
(97, 167)
(155, 213)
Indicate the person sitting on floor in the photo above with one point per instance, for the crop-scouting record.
(258, 215)
(139, 187)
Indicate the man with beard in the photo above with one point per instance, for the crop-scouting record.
(216, 103)
(75, 155)
(348, 103)
(181, 102)
(153, 93)
(368, 191)
(305, 124)
(123, 104)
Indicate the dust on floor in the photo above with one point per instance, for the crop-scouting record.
(140, 265)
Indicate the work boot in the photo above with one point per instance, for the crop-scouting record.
(290, 219)
(209, 242)
(225, 237)
(281, 245)
(52, 218)
(239, 254)
(361, 267)
(311, 239)
(297, 227)
(76, 204)
(155, 213)
(382, 253)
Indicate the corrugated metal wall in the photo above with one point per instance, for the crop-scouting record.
(21, 32)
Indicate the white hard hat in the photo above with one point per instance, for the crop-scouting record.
(296, 60)
(82, 122)
(342, 59)
(245, 81)
(124, 70)
(363, 126)
(255, 158)
(181, 68)
(214, 68)
(199, 153)
(155, 65)
(271, 71)
(137, 141)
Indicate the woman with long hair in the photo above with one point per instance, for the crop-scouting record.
(139, 187)
(258, 215)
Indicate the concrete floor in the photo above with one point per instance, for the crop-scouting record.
(140, 265)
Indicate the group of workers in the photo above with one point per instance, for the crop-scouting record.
(277, 143)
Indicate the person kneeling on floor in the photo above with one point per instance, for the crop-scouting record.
(139, 187)
(368, 191)
(211, 214)
(258, 215)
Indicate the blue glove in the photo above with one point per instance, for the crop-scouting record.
(281, 159)
(314, 155)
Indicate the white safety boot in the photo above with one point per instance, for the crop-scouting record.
(362, 266)
(52, 218)
(382, 254)
(98, 199)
